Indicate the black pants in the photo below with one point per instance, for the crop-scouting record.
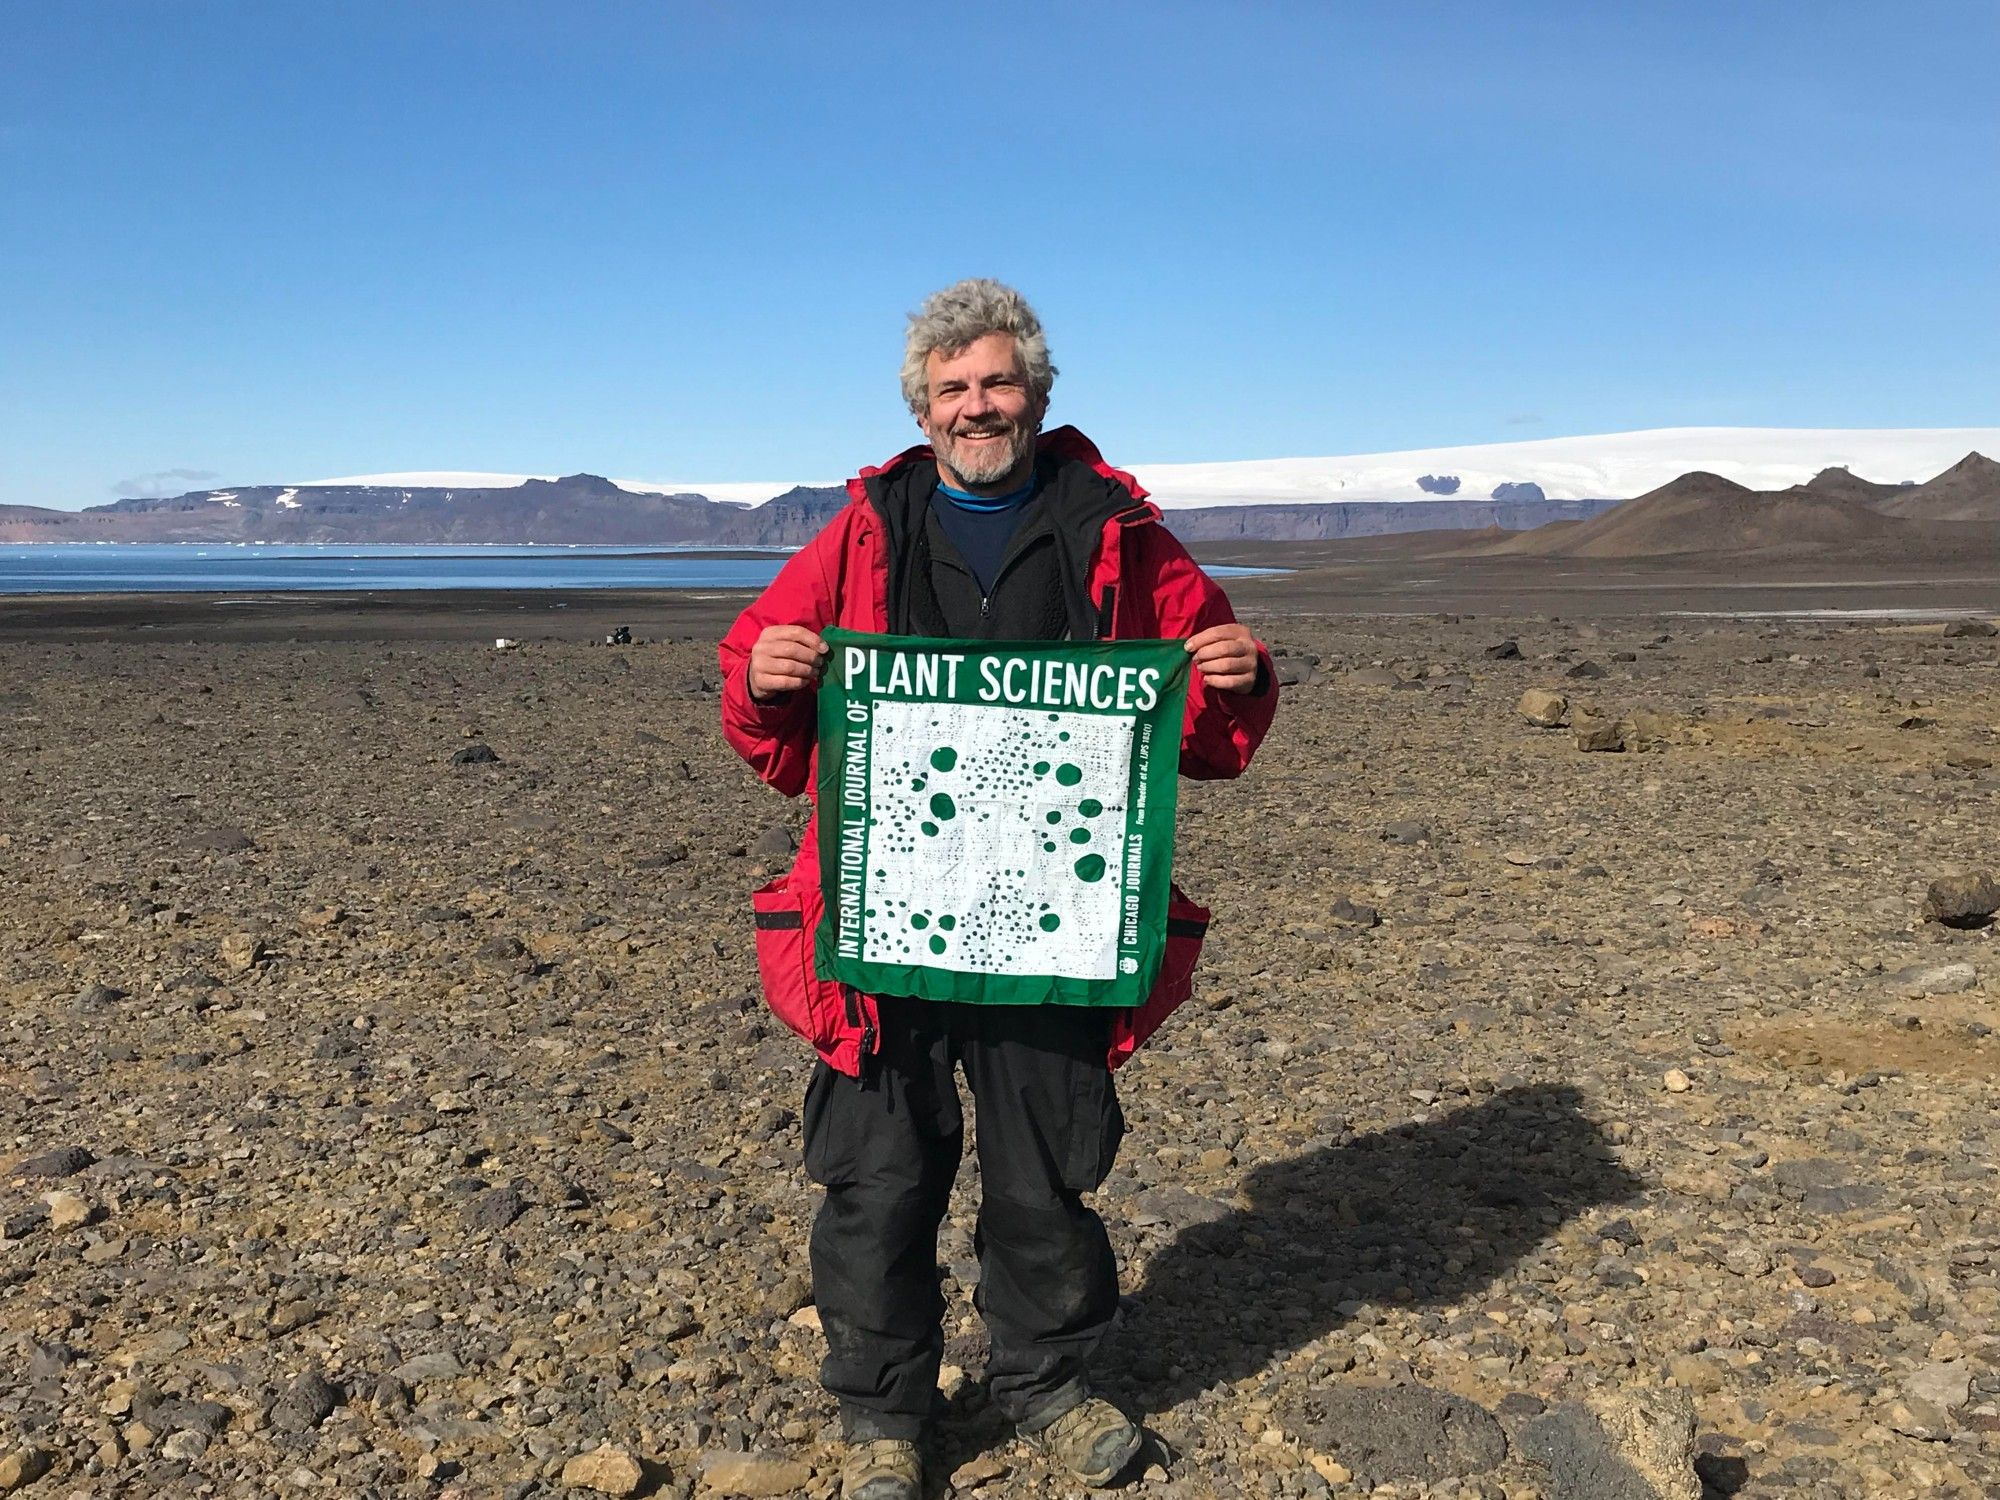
(886, 1151)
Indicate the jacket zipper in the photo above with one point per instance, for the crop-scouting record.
(851, 998)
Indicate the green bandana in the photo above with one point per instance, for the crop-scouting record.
(996, 821)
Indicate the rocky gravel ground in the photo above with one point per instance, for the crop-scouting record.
(386, 1106)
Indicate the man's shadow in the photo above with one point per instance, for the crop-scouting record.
(1425, 1213)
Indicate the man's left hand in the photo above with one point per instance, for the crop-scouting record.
(1226, 657)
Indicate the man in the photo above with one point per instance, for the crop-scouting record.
(993, 531)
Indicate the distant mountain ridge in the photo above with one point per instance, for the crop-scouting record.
(1968, 491)
(577, 509)
(587, 510)
(1835, 512)
(1755, 493)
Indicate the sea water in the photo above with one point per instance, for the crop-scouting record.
(196, 567)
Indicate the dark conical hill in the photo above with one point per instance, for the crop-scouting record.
(1968, 491)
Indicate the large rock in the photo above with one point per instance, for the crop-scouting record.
(22, 1467)
(1917, 1418)
(1346, 912)
(1968, 900)
(223, 838)
(1375, 677)
(1947, 1385)
(63, 1161)
(1541, 707)
(1975, 629)
(494, 1209)
(242, 952)
(1295, 672)
(1654, 1430)
(1599, 734)
(1922, 980)
(1401, 1433)
(753, 1474)
(307, 1402)
(774, 842)
(1633, 1446)
(608, 1470)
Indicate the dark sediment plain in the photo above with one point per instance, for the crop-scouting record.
(386, 1106)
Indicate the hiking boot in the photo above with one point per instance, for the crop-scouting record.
(1093, 1440)
(882, 1469)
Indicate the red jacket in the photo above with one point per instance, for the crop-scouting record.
(1144, 585)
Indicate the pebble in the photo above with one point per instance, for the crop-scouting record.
(1433, 1151)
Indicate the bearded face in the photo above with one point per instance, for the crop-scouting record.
(983, 418)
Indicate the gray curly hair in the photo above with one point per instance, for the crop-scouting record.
(963, 313)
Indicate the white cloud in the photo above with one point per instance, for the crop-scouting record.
(164, 482)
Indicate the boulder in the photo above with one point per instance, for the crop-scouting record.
(242, 952)
(1635, 1445)
(1947, 1385)
(22, 1467)
(1599, 735)
(1543, 708)
(608, 1470)
(1968, 900)
(1375, 677)
(1920, 981)
(774, 842)
(753, 1474)
(1401, 1433)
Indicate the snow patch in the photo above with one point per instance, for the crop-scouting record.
(223, 497)
(731, 492)
(287, 501)
(1609, 466)
(442, 479)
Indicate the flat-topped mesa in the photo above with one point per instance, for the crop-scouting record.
(578, 484)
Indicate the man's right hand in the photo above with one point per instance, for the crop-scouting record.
(785, 659)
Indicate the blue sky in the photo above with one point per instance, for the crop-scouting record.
(270, 241)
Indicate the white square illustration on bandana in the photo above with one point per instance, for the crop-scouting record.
(997, 820)
(995, 838)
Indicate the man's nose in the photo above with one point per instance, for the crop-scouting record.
(978, 401)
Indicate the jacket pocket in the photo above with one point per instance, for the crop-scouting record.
(796, 995)
(1187, 929)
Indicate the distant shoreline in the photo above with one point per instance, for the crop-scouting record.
(1324, 581)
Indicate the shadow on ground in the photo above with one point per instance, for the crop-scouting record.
(1440, 1209)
